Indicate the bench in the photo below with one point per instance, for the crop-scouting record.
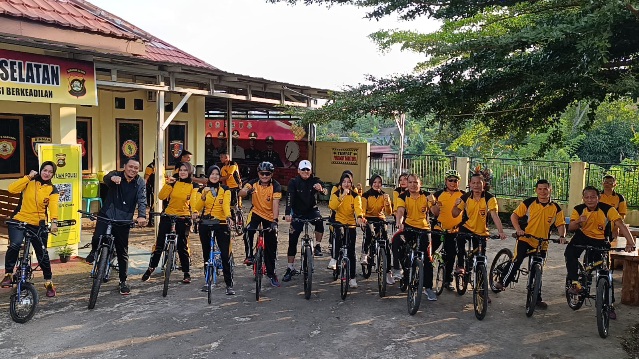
(630, 276)
(8, 203)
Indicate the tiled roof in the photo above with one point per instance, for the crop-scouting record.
(83, 16)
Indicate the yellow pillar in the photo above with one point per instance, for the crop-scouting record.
(463, 167)
(63, 124)
(577, 184)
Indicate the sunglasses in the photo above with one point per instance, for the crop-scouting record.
(452, 180)
(265, 173)
(305, 170)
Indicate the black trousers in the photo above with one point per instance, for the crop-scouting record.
(572, 253)
(424, 247)
(39, 244)
(121, 243)
(297, 228)
(450, 246)
(223, 240)
(182, 229)
(369, 236)
(339, 238)
(270, 241)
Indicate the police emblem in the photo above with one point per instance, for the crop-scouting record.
(61, 159)
(176, 148)
(7, 147)
(76, 82)
(129, 148)
(36, 140)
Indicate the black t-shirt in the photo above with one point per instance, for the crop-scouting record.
(300, 196)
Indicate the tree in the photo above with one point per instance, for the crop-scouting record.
(513, 66)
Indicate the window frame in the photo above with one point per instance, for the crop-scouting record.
(138, 122)
(88, 142)
(22, 146)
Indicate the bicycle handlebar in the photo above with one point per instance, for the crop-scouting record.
(340, 225)
(554, 240)
(473, 235)
(23, 225)
(95, 217)
(303, 220)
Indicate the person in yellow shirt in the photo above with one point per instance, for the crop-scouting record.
(214, 201)
(347, 204)
(179, 193)
(402, 187)
(443, 202)
(38, 204)
(539, 214)
(230, 176)
(616, 200)
(376, 206)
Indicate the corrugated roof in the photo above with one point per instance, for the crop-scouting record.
(83, 16)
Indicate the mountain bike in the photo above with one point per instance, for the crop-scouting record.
(414, 281)
(214, 265)
(104, 259)
(378, 254)
(169, 257)
(439, 261)
(534, 271)
(237, 214)
(259, 265)
(306, 252)
(343, 268)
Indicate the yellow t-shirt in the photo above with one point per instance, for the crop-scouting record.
(179, 195)
(346, 207)
(475, 212)
(231, 170)
(541, 216)
(595, 225)
(374, 205)
(39, 200)
(263, 197)
(416, 209)
(446, 201)
(218, 206)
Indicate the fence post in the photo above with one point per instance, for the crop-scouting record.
(576, 185)
(462, 164)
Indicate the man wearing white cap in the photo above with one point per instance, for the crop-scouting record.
(301, 202)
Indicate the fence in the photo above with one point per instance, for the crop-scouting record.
(430, 168)
(627, 179)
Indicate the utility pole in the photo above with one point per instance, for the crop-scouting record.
(400, 121)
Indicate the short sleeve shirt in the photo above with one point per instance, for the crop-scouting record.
(446, 202)
(263, 197)
(597, 219)
(416, 209)
(541, 216)
(475, 212)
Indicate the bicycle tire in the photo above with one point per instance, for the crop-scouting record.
(439, 278)
(415, 285)
(575, 301)
(502, 258)
(23, 308)
(602, 307)
(209, 282)
(259, 273)
(239, 222)
(168, 267)
(480, 292)
(461, 283)
(344, 277)
(232, 268)
(381, 272)
(103, 261)
(307, 265)
(532, 292)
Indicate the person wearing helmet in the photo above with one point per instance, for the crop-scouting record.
(271, 155)
(443, 202)
(266, 194)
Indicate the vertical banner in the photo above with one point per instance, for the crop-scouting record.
(68, 181)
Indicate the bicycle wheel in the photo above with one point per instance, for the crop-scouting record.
(23, 306)
(239, 222)
(381, 271)
(103, 262)
(575, 301)
(461, 283)
(259, 257)
(602, 306)
(168, 267)
(480, 291)
(415, 285)
(503, 257)
(534, 286)
(307, 271)
(232, 268)
(209, 281)
(439, 278)
(344, 268)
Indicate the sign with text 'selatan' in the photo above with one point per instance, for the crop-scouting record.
(38, 78)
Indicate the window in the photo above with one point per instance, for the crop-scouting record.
(185, 108)
(138, 104)
(83, 128)
(129, 133)
(18, 152)
(120, 103)
(168, 107)
(176, 142)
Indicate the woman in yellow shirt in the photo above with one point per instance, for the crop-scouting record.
(179, 193)
(215, 200)
(347, 205)
(38, 203)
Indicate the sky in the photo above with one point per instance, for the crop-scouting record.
(301, 45)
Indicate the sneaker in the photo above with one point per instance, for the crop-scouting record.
(430, 294)
(397, 274)
(364, 258)
(575, 288)
(541, 304)
(124, 288)
(7, 281)
(50, 289)
(248, 261)
(352, 283)
(147, 274)
(318, 251)
(499, 285)
(290, 272)
(90, 257)
(205, 288)
(460, 271)
(187, 278)
(332, 264)
(274, 281)
(389, 278)
(612, 314)
(230, 291)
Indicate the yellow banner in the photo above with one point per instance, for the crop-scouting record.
(345, 156)
(68, 181)
(38, 78)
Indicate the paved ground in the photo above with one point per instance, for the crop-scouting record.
(283, 324)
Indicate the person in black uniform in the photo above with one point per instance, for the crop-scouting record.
(270, 155)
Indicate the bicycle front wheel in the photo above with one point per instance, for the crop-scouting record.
(534, 286)
(480, 291)
(498, 267)
(602, 304)
(415, 285)
(210, 270)
(23, 305)
(239, 222)
(345, 270)
(168, 267)
(575, 301)
(257, 268)
(381, 271)
(103, 262)
(439, 278)
(307, 271)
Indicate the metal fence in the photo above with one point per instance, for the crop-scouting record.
(430, 168)
(627, 179)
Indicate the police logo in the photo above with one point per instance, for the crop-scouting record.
(129, 148)
(36, 140)
(482, 212)
(77, 86)
(268, 198)
(61, 159)
(550, 219)
(176, 148)
(7, 147)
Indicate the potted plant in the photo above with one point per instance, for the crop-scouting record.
(64, 253)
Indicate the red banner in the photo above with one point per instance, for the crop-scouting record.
(280, 130)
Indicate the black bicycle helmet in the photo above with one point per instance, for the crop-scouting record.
(266, 166)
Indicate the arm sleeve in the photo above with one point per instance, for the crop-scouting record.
(289, 197)
(165, 192)
(623, 206)
(277, 190)
(107, 178)
(574, 216)
(197, 204)
(194, 195)
(613, 215)
(54, 199)
(560, 218)
(363, 203)
(142, 198)
(19, 185)
(400, 202)
(492, 205)
(226, 204)
(357, 201)
(521, 210)
(334, 202)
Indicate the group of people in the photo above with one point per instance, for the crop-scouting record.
(417, 212)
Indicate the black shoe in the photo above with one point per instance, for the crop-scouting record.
(230, 291)
(147, 274)
(124, 288)
(289, 274)
(187, 278)
(318, 251)
(90, 257)
(449, 286)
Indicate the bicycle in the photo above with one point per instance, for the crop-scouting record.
(259, 266)
(475, 271)
(343, 268)
(169, 259)
(214, 264)
(534, 270)
(237, 214)
(104, 259)
(24, 298)
(603, 282)
(415, 281)
(439, 258)
(306, 252)
(378, 254)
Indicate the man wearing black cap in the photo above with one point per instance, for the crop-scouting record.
(270, 155)
(238, 151)
(252, 154)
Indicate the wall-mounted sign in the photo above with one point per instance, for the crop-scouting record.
(344, 156)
